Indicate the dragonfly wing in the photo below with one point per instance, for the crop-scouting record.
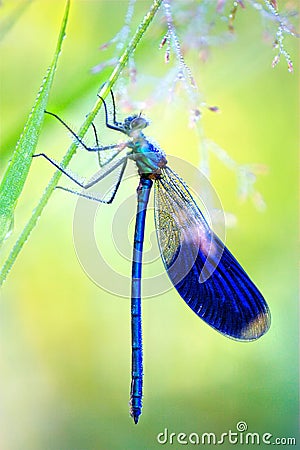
(202, 269)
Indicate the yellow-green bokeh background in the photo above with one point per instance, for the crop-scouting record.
(65, 343)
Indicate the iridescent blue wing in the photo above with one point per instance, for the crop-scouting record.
(202, 269)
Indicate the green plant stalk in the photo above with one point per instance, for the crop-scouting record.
(18, 168)
(81, 133)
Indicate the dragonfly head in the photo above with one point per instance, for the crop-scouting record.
(133, 124)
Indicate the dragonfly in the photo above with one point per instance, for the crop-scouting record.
(201, 268)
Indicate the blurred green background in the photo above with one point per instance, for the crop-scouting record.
(64, 342)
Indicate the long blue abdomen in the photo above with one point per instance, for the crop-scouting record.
(136, 393)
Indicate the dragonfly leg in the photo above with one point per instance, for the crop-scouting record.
(114, 107)
(60, 168)
(97, 143)
(98, 147)
(115, 125)
(102, 173)
(94, 181)
(95, 134)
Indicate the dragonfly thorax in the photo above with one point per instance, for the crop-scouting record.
(149, 158)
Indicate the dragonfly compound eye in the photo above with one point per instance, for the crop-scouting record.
(138, 123)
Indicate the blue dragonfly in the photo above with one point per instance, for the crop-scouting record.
(202, 270)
